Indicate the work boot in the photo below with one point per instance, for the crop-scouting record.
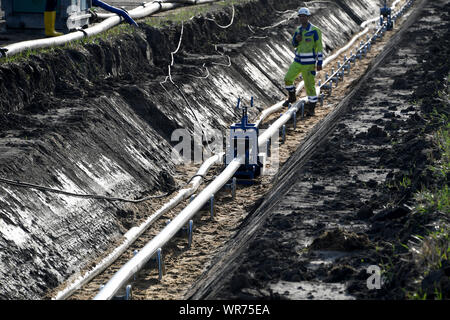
(309, 108)
(292, 96)
(291, 99)
(49, 24)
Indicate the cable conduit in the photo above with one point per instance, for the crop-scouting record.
(79, 195)
(228, 25)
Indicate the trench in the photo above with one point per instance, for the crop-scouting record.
(334, 214)
(97, 119)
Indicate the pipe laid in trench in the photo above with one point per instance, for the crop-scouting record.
(135, 232)
(380, 29)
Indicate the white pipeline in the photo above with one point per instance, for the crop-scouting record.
(136, 263)
(135, 232)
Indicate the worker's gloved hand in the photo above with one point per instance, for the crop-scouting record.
(319, 68)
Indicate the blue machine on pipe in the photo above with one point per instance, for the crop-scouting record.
(244, 141)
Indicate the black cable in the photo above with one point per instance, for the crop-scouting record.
(93, 196)
(82, 30)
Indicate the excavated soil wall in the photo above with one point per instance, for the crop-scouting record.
(98, 119)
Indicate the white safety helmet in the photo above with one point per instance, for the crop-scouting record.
(304, 11)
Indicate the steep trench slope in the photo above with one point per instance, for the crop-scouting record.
(98, 118)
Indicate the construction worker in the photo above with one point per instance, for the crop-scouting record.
(49, 19)
(307, 41)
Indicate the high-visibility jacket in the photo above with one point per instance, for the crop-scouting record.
(310, 48)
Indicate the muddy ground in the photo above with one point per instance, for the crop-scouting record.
(349, 208)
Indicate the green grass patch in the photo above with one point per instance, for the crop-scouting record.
(434, 248)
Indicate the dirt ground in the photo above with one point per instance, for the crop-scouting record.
(348, 208)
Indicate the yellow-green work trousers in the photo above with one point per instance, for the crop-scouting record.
(308, 72)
